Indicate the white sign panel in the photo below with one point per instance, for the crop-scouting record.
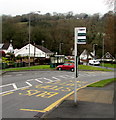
(80, 35)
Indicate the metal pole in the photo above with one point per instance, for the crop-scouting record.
(30, 33)
(34, 53)
(42, 42)
(94, 50)
(29, 38)
(42, 46)
(103, 52)
(60, 47)
(76, 69)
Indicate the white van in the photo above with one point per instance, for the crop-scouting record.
(94, 62)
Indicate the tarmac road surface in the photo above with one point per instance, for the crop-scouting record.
(27, 93)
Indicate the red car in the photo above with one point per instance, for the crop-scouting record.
(66, 66)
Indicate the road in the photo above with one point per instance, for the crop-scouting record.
(28, 94)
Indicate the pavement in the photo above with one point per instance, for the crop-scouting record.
(92, 102)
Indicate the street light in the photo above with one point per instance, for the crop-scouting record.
(60, 47)
(42, 42)
(29, 39)
(94, 50)
(30, 32)
(34, 53)
(103, 49)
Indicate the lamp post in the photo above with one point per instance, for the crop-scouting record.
(103, 49)
(11, 47)
(34, 53)
(60, 47)
(29, 38)
(94, 53)
(42, 42)
(30, 32)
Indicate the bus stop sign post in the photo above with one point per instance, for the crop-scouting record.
(80, 38)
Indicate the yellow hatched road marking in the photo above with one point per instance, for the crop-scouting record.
(52, 105)
(7, 93)
(57, 102)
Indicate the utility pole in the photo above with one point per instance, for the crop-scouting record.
(60, 47)
(94, 52)
(103, 50)
(34, 53)
(30, 33)
(29, 38)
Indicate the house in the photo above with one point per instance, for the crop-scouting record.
(6, 47)
(107, 57)
(85, 56)
(33, 51)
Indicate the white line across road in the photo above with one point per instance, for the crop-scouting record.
(30, 82)
(13, 86)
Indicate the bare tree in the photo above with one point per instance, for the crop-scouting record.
(110, 3)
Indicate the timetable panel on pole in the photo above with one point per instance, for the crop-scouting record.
(80, 35)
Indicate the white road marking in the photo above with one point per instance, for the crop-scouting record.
(13, 90)
(7, 85)
(14, 85)
(62, 76)
(7, 76)
(38, 80)
(48, 80)
(55, 78)
(19, 75)
(70, 76)
(42, 80)
(29, 83)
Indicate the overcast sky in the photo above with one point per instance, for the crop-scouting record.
(19, 7)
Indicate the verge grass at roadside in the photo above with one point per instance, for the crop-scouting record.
(29, 68)
(102, 83)
(108, 65)
(81, 67)
(86, 67)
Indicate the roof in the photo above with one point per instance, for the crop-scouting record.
(5, 46)
(84, 52)
(43, 49)
(108, 56)
(1, 44)
(86, 55)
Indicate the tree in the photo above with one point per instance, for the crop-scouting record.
(59, 27)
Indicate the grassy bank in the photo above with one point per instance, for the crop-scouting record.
(102, 83)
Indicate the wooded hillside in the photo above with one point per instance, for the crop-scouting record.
(58, 28)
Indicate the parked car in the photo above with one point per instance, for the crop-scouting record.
(71, 61)
(94, 62)
(66, 66)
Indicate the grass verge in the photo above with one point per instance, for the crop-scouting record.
(86, 67)
(81, 67)
(108, 65)
(29, 68)
(102, 83)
